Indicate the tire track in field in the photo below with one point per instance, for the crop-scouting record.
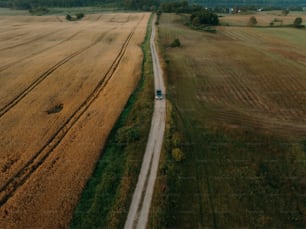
(99, 17)
(43, 76)
(59, 19)
(284, 128)
(30, 41)
(20, 177)
(4, 67)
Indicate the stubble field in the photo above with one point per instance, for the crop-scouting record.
(238, 115)
(263, 18)
(62, 86)
(249, 76)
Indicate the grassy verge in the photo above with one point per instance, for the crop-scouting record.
(106, 198)
(231, 177)
(11, 12)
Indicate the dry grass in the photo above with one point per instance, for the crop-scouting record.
(238, 101)
(263, 18)
(47, 61)
(249, 76)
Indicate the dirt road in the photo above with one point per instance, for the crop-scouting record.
(140, 206)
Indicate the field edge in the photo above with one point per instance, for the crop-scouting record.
(107, 194)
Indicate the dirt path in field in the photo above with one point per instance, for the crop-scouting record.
(140, 206)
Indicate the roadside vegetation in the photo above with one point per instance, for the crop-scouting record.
(107, 195)
(233, 172)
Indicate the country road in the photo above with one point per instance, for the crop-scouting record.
(141, 201)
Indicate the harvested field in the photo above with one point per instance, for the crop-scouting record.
(62, 86)
(259, 81)
(263, 18)
(238, 115)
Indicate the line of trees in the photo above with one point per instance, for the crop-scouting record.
(204, 17)
(141, 4)
(262, 3)
(199, 15)
(165, 5)
(128, 4)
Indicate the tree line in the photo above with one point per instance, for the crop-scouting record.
(166, 5)
(262, 3)
(127, 4)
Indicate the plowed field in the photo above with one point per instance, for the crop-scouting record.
(62, 86)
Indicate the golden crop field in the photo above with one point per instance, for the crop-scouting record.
(62, 86)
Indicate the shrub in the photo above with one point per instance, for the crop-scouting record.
(175, 43)
(127, 134)
(79, 15)
(176, 139)
(68, 17)
(39, 11)
(298, 22)
(204, 17)
(252, 21)
(285, 12)
(177, 154)
(276, 20)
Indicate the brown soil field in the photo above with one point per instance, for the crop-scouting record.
(62, 87)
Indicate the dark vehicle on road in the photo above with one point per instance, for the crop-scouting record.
(159, 95)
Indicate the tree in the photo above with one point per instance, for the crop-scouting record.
(68, 17)
(204, 17)
(252, 21)
(79, 15)
(175, 43)
(298, 22)
(285, 12)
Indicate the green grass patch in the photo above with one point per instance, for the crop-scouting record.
(12, 12)
(229, 177)
(107, 195)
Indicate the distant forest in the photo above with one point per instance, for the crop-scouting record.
(230, 3)
(128, 4)
(144, 4)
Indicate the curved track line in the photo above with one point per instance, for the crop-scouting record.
(19, 178)
(4, 67)
(30, 41)
(59, 19)
(43, 76)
